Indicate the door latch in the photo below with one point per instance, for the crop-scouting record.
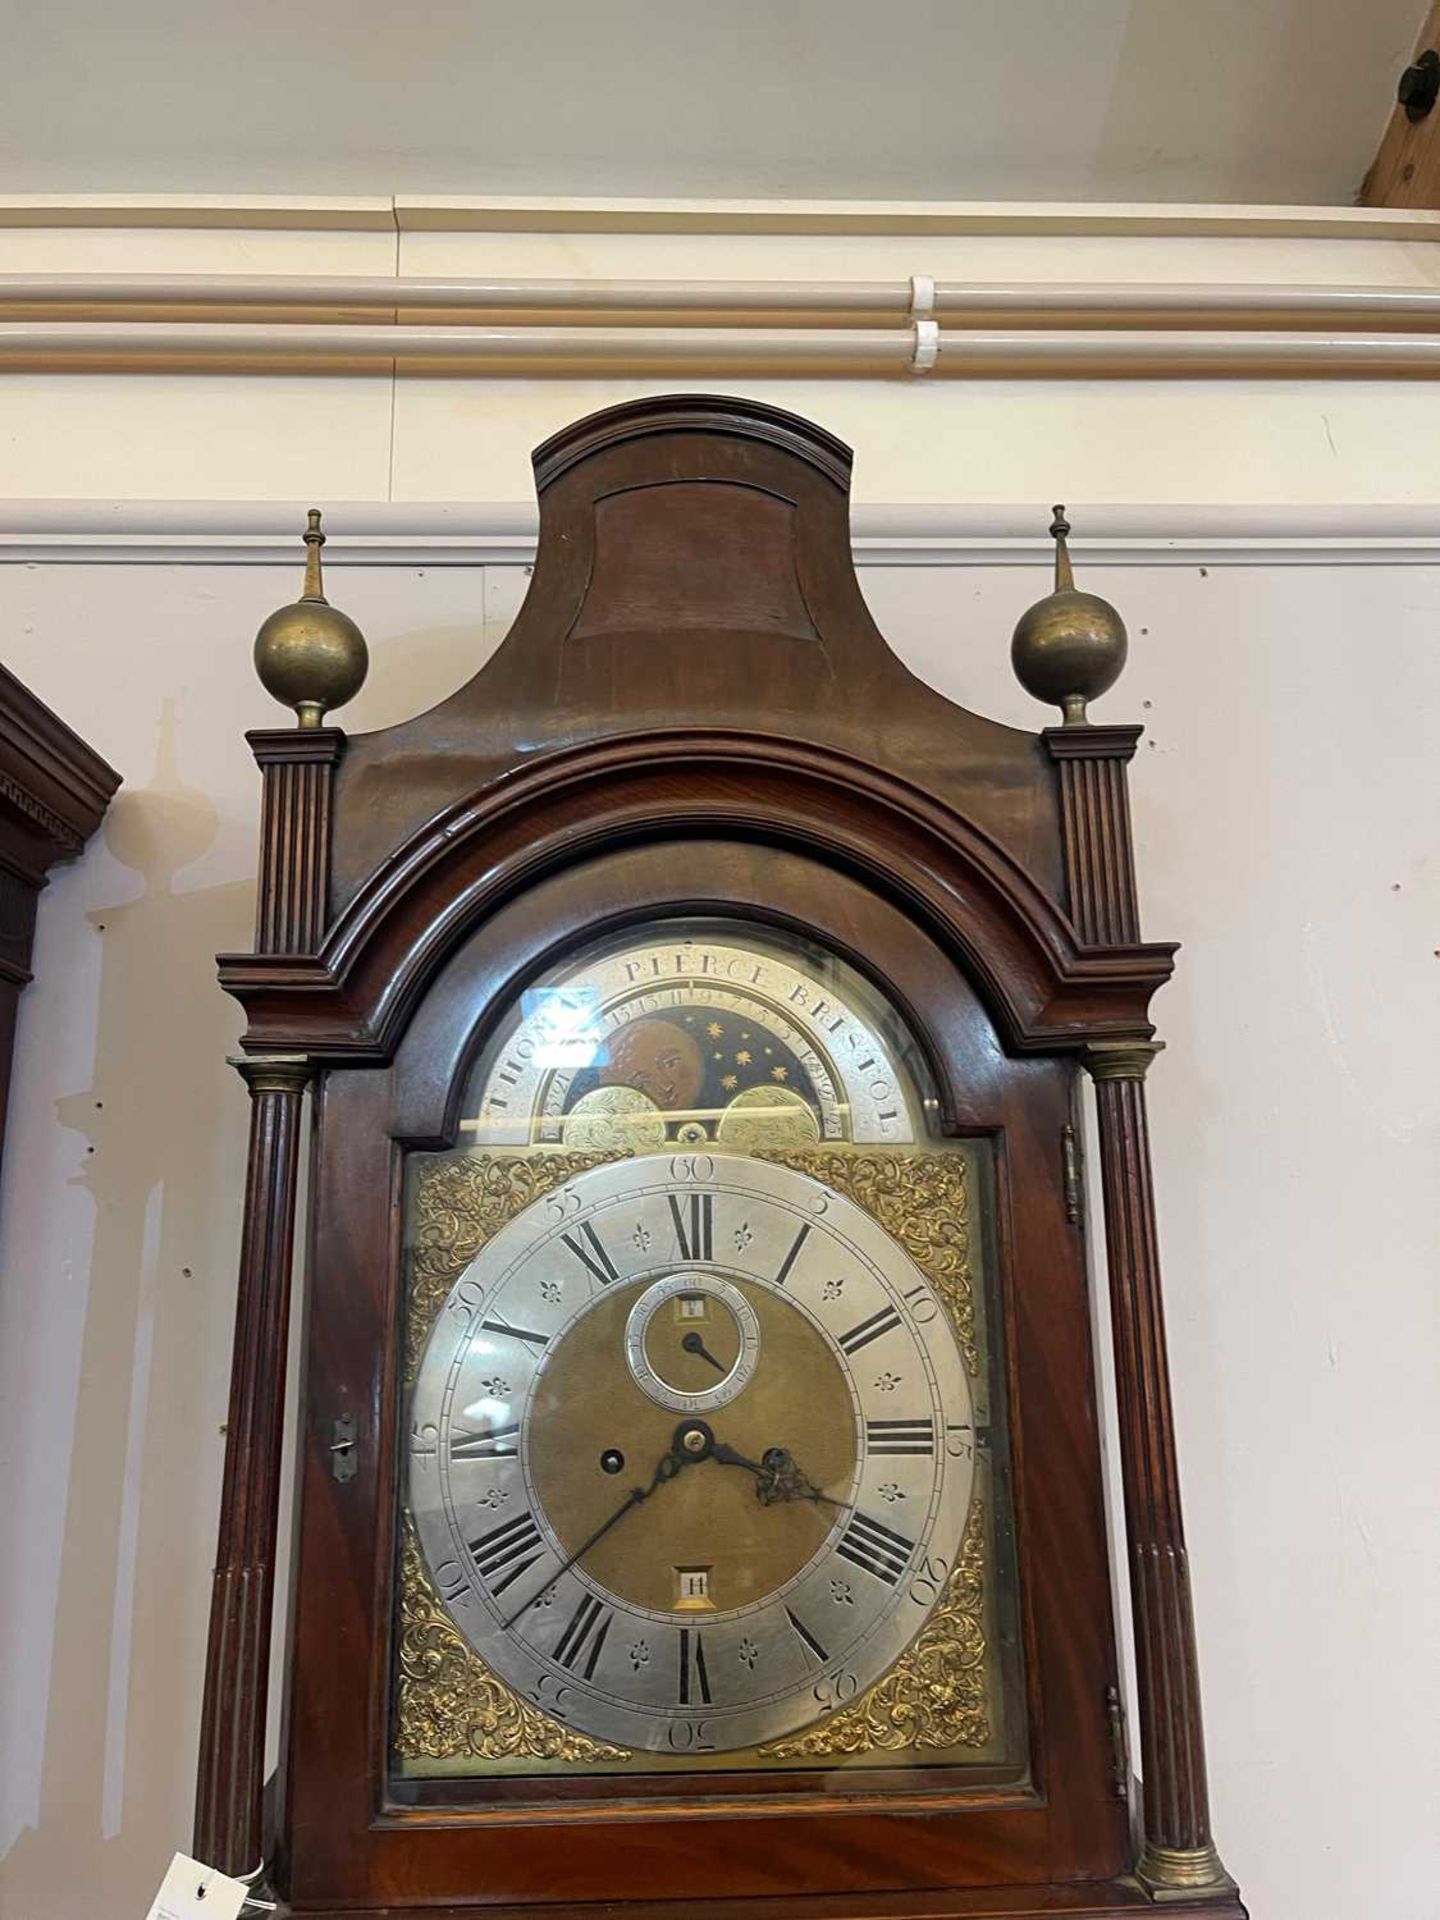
(343, 1463)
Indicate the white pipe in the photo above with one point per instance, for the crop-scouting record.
(462, 296)
(454, 534)
(950, 301)
(616, 349)
(631, 350)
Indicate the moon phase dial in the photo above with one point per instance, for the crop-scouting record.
(691, 1342)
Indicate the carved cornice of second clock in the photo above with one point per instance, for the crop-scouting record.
(1047, 989)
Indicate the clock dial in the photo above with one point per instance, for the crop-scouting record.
(691, 1452)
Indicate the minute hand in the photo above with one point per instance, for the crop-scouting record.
(669, 1466)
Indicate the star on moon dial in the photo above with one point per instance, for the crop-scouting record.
(690, 1455)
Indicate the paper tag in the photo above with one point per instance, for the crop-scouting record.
(192, 1892)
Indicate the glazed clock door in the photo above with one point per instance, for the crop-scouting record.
(705, 1467)
(735, 1500)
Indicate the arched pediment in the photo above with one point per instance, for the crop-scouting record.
(1044, 989)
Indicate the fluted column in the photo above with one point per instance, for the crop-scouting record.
(1178, 1859)
(298, 766)
(228, 1831)
(1095, 830)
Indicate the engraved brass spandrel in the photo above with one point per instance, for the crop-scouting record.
(449, 1705)
(460, 1204)
(935, 1694)
(923, 1201)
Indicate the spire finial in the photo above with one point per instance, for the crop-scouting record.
(314, 541)
(1059, 532)
(1070, 646)
(310, 655)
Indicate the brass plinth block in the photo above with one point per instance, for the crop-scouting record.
(309, 655)
(1120, 1059)
(1070, 647)
(1173, 1874)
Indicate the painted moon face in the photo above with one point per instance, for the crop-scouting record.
(658, 1059)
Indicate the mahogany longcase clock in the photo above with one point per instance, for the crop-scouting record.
(700, 1499)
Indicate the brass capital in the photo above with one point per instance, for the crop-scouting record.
(274, 1072)
(1182, 1873)
(1120, 1059)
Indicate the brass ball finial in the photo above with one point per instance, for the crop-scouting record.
(1070, 646)
(309, 655)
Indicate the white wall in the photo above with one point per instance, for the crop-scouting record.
(1118, 99)
(1285, 804)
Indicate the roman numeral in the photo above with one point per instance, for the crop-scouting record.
(497, 1325)
(496, 1443)
(807, 1636)
(900, 1436)
(591, 1254)
(694, 1681)
(507, 1551)
(793, 1255)
(876, 1548)
(588, 1627)
(695, 1226)
(885, 1321)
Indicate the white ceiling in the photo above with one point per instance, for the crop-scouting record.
(1230, 100)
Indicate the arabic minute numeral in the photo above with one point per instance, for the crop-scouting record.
(692, 1166)
(930, 1577)
(562, 1205)
(834, 1690)
(923, 1305)
(690, 1736)
(466, 1299)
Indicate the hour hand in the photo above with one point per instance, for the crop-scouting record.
(728, 1457)
(777, 1477)
(695, 1343)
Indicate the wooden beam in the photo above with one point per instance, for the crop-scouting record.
(1406, 170)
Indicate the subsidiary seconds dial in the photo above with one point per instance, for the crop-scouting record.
(690, 1454)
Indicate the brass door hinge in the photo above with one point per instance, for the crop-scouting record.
(1119, 1744)
(1074, 1185)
